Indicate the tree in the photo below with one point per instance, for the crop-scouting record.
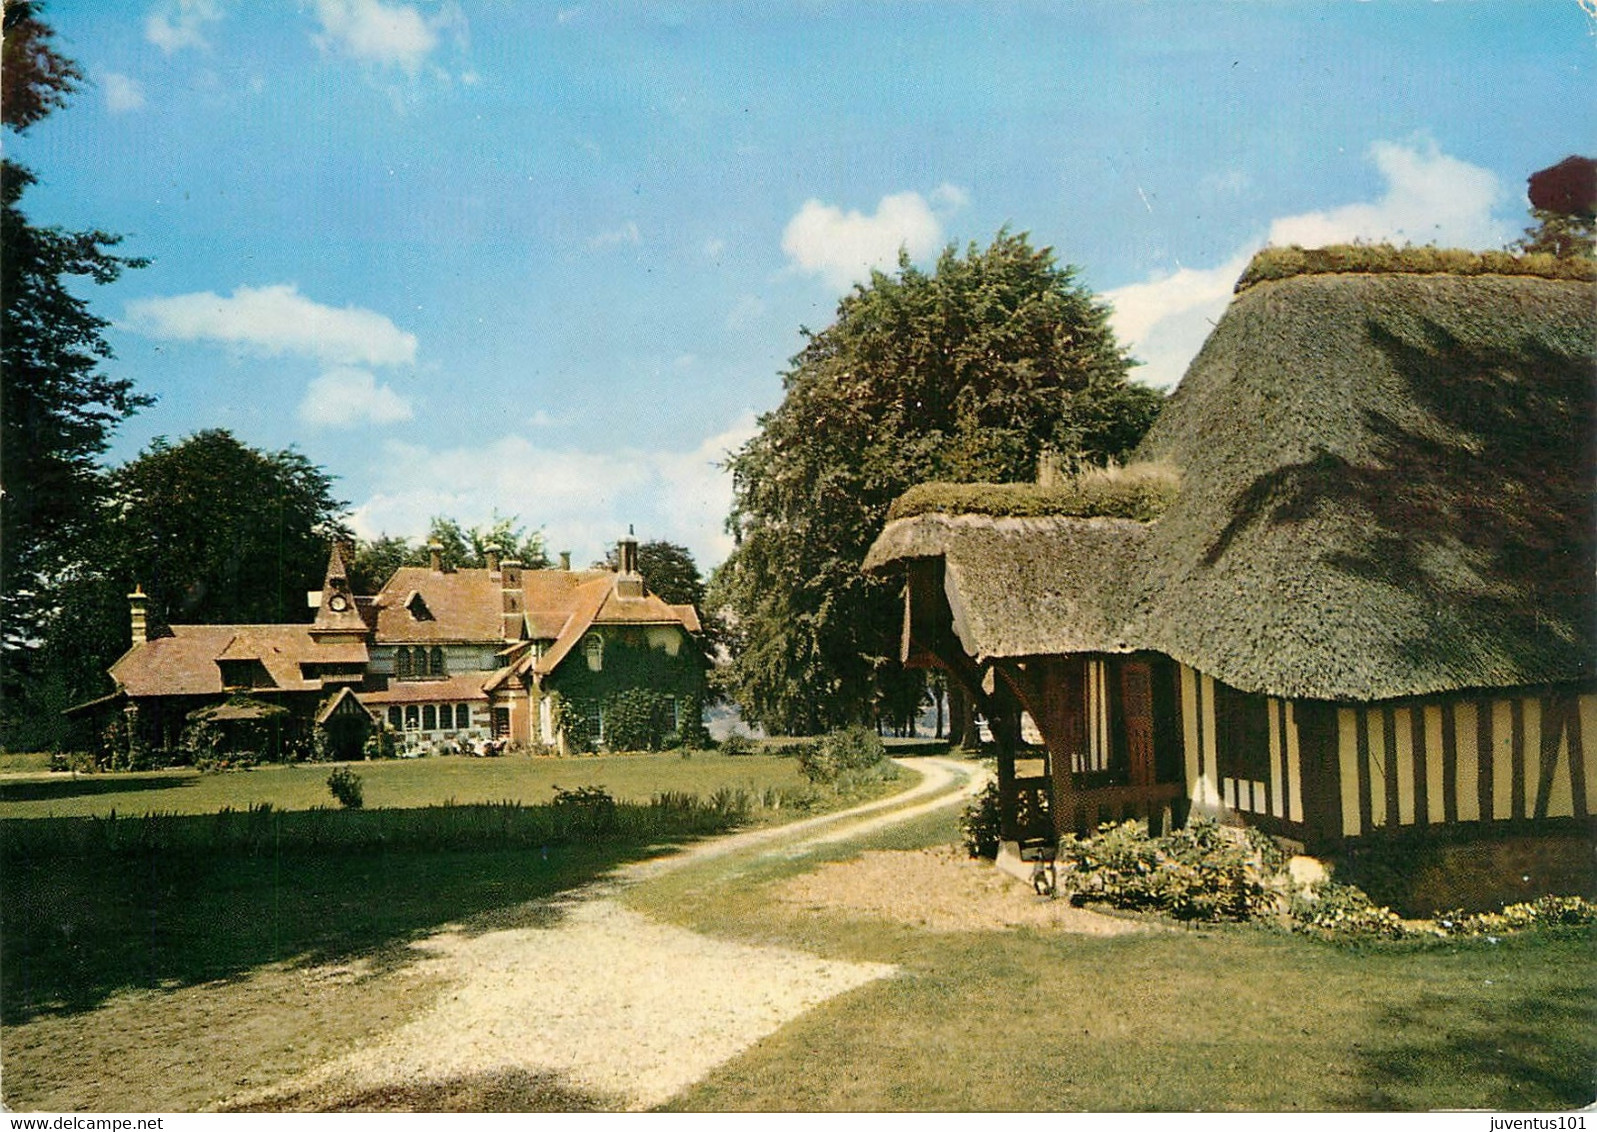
(58, 406)
(218, 532)
(966, 374)
(375, 562)
(1563, 201)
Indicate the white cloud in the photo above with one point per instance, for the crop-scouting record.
(626, 234)
(274, 320)
(123, 95)
(844, 247)
(384, 34)
(714, 248)
(345, 396)
(582, 500)
(176, 24)
(1429, 198)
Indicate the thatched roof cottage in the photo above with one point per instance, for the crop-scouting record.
(1347, 592)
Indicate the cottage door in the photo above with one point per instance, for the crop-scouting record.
(1136, 702)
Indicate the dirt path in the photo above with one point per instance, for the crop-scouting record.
(606, 1006)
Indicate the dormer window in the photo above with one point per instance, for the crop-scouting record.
(417, 607)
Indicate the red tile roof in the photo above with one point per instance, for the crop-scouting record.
(185, 663)
(467, 687)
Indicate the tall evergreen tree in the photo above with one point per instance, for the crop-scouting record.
(57, 406)
(966, 373)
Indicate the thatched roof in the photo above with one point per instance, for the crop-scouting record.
(1387, 490)
(1024, 586)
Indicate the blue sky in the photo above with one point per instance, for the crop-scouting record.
(550, 260)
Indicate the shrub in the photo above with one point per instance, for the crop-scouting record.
(737, 743)
(1200, 872)
(855, 748)
(1544, 912)
(1332, 909)
(379, 744)
(590, 809)
(345, 786)
(979, 824)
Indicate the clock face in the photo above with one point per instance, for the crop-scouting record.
(337, 604)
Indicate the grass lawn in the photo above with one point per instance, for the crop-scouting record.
(392, 783)
(1230, 1018)
(197, 973)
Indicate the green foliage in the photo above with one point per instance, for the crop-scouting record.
(1338, 910)
(374, 562)
(218, 532)
(1202, 871)
(591, 808)
(1561, 236)
(638, 719)
(737, 743)
(345, 786)
(980, 825)
(963, 374)
(1141, 492)
(56, 418)
(828, 759)
(630, 666)
(1284, 263)
(1543, 912)
(379, 744)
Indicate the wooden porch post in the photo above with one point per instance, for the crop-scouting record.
(1066, 690)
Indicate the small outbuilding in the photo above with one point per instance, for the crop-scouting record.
(1347, 592)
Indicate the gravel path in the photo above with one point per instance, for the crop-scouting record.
(608, 1002)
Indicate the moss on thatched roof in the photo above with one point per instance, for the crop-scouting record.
(1380, 259)
(1387, 489)
(1140, 492)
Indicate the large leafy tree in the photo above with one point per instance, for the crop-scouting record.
(965, 373)
(219, 532)
(58, 407)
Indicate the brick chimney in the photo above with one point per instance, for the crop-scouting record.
(435, 556)
(138, 614)
(491, 552)
(565, 561)
(512, 608)
(629, 583)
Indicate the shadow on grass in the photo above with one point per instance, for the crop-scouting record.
(1529, 1050)
(76, 930)
(511, 1090)
(84, 786)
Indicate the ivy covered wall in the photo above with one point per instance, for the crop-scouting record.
(631, 691)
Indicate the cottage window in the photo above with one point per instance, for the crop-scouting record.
(396, 718)
(593, 651)
(462, 716)
(437, 666)
(412, 717)
(429, 718)
(402, 663)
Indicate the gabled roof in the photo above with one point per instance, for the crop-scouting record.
(1387, 489)
(465, 605)
(185, 663)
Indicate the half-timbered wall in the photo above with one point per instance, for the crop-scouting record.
(1403, 763)
(1229, 764)
(1481, 759)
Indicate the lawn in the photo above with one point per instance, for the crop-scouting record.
(1229, 1018)
(391, 783)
